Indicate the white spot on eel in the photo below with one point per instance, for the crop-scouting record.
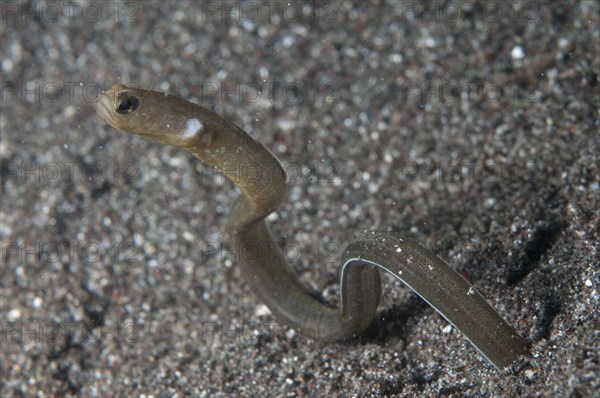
(192, 127)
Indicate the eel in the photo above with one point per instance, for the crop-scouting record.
(261, 179)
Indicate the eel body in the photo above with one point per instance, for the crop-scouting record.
(261, 179)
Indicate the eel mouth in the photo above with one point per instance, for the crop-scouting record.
(102, 105)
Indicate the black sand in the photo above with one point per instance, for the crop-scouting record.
(473, 129)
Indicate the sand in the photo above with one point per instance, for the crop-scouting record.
(473, 129)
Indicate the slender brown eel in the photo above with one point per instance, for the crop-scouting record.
(261, 179)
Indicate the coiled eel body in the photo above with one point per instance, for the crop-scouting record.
(261, 179)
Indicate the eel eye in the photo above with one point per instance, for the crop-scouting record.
(127, 103)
